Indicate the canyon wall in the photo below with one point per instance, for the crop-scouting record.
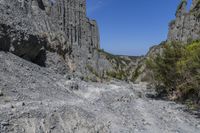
(53, 33)
(186, 26)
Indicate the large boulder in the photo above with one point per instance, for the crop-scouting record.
(27, 46)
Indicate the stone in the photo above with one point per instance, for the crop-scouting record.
(186, 26)
(57, 34)
(23, 104)
(5, 123)
(92, 108)
(1, 93)
(74, 86)
(29, 28)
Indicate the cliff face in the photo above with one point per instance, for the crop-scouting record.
(57, 34)
(45, 30)
(186, 26)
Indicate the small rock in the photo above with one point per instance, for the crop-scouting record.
(5, 123)
(136, 130)
(74, 86)
(52, 127)
(10, 113)
(1, 93)
(147, 123)
(198, 126)
(139, 94)
(23, 104)
(43, 121)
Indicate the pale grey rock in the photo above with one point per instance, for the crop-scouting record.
(57, 34)
(57, 26)
(54, 104)
(186, 26)
(56, 63)
(1, 92)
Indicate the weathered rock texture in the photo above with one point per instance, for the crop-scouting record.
(30, 28)
(186, 26)
(35, 99)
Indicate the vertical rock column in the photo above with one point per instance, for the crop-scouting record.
(176, 26)
(186, 26)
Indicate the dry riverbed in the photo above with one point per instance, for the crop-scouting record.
(36, 100)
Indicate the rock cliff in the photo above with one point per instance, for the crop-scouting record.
(57, 34)
(44, 30)
(186, 26)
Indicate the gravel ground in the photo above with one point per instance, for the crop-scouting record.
(36, 100)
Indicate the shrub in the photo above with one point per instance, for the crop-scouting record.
(189, 69)
(177, 71)
(164, 66)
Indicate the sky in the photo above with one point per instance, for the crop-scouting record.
(131, 27)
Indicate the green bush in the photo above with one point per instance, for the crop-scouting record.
(189, 69)
(121, 75)
(177, 71)
(164, 65)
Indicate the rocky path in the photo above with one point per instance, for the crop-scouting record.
(127, 109)
(36, 100)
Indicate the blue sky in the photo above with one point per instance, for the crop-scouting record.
(131, 27)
